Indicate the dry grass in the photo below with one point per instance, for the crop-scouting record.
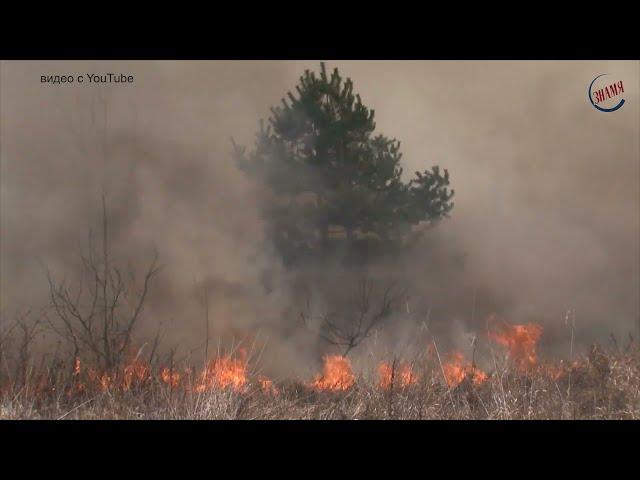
(599, 386)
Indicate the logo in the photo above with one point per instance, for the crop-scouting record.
(605, 96)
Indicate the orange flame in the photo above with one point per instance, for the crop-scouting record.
(222, 373)
(457, 369)
(559, 370)
(403, 373)
(78, 386)
(102, 380)
(267, 386)
(136, 371)
(76, 367)
(521, 342)
(336, 374)
(170, 377)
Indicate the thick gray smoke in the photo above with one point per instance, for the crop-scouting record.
(547, 190)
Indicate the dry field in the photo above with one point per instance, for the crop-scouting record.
(599, 385)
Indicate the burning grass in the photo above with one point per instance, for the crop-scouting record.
(520, 340)
(401, 374)
(598, 384)
(336, 375)
(457, 370)
(222, 373)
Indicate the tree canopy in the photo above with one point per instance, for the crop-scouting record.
(326, 169)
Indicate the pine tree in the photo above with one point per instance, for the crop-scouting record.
(320, 143)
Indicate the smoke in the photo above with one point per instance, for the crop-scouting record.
(545, 217)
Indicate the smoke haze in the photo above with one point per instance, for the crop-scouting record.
(546, 214)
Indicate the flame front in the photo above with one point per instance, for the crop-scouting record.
(230, 371)
(403, 374)
(135, 372)
(336, 375)
(521, 342)
(457, 369)
(223, 373)
(170, 377)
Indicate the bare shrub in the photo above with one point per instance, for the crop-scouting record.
(100, 315)
(348, 327)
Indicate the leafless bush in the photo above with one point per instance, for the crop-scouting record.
(100, 315)
(348, 328)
